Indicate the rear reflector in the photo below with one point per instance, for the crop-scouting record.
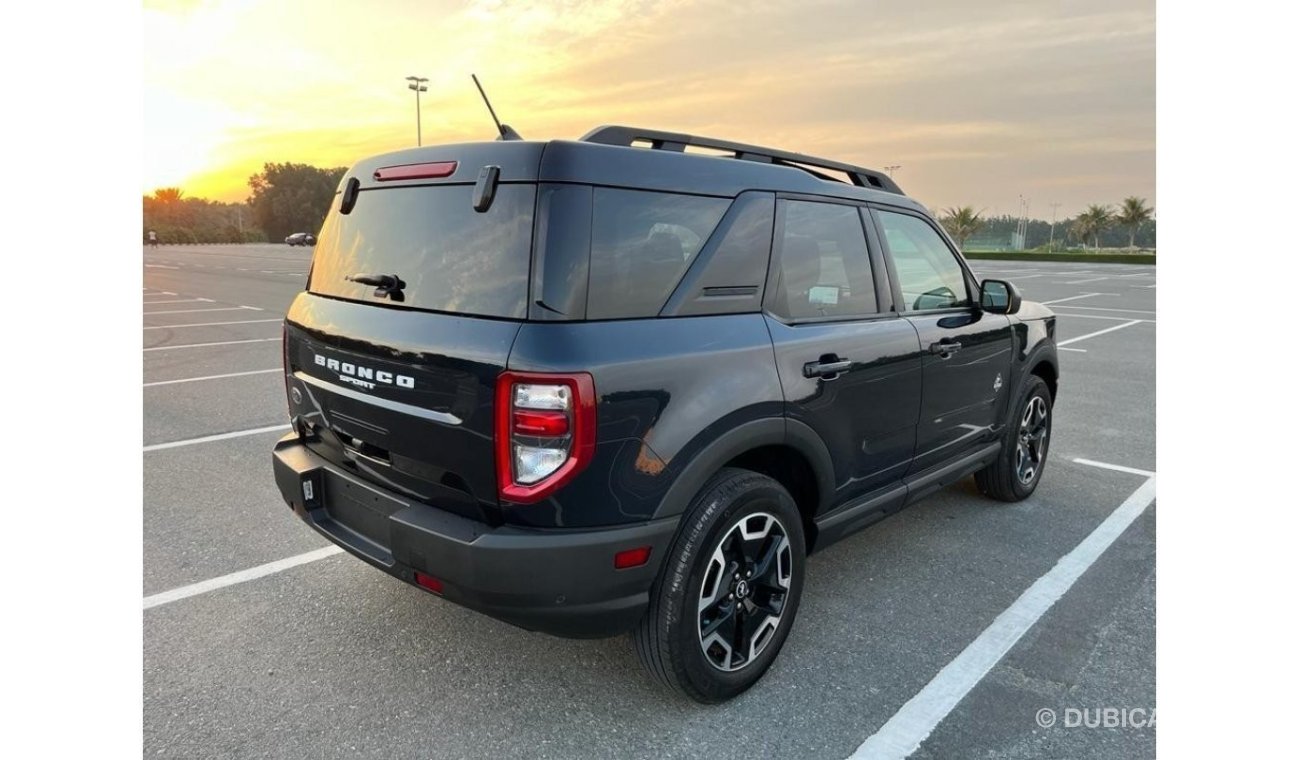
(632, 558)
(429, 582)
(416, 171)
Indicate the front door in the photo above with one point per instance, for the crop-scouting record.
(967, 352)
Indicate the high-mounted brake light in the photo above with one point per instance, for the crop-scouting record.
(416, 171)
(545, 432)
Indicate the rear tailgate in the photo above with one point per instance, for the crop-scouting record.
(396, 383)
(402, 398)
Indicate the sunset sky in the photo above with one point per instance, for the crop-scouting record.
(980, 102)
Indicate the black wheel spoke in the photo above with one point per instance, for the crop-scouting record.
(721, 622)
(766, 562)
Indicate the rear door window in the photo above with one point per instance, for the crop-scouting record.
(825, 268)
(641, 245)
(451, 257)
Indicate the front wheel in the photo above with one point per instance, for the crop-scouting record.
(727, 597)
(1019, 466)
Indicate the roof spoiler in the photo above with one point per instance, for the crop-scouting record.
(675, 141)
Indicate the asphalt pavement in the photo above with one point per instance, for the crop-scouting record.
(331, 658)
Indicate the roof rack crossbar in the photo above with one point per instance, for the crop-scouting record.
(675, 141)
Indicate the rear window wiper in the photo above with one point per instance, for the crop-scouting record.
(386, 285)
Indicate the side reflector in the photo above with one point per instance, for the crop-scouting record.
(429, 582)
(416, 171)
(632, 558)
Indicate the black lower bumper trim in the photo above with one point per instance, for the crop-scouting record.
(561, 582)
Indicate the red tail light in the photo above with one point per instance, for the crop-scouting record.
(545, 432)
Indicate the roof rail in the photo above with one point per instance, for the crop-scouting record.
(674, 141)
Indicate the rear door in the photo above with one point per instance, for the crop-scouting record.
(850, 368)
(967, 364)
(393, 353)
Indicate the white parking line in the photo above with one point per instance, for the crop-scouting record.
(243, 576)
(214, 377)
(1073, 298)
(903, 733)
(196, 311)
(1103, 316)
(1079, 350)
(1080, 282)
(214, 343)
(1115, 467)
(212, 324)
(1102, 308)
(211, 438)
(1099, 332)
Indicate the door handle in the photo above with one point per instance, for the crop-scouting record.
(945, 348)
(827, 367)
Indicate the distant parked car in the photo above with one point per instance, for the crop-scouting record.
(301, 238)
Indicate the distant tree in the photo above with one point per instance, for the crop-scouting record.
(961, 223)
(1091, 223)
(1133, 213)
(178, 219)
(290, 198)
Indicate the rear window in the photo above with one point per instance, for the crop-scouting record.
(641, 245)
(451, 257)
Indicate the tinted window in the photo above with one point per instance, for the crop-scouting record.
(928, 271)
(641, 245)
(451, 257)
(825, 269)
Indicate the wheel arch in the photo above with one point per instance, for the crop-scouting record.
(786, 450)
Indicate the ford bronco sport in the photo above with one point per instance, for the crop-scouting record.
(629, 383)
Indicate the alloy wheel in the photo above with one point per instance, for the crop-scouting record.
(1032, 441)
(744, 592)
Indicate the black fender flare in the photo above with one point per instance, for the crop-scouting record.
(767, 431)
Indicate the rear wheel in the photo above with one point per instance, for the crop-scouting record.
(1019, 466)
(729, 591)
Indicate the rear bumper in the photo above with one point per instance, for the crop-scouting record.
(561, 582)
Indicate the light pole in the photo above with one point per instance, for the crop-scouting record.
(890, 169)
(1051, 238)
(417, 84)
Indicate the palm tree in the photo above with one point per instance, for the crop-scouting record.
(168, 194)
(961, 223)
(1132, 214)
(1093, 222)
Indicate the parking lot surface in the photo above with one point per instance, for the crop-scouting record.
(255, 648)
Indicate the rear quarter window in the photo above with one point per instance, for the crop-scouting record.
(452, 258)
(641, 245)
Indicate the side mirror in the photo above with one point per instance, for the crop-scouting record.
(999, 297)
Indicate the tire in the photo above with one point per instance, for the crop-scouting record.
(1020, 464)
(737, 515)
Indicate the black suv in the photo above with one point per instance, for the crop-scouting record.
(629, 383)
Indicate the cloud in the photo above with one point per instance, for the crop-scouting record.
(980, 102)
